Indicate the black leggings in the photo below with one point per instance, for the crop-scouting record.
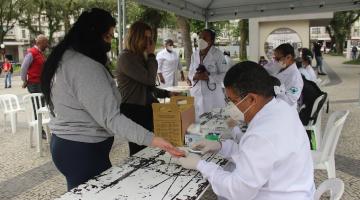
(142, 115)
(79, 161)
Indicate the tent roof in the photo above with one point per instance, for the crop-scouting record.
(217, 10)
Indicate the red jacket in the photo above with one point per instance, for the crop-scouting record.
(35, 69)
(6, 66)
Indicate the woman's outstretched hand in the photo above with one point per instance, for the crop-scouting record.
(167, 146)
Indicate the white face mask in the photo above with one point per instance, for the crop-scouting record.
(203, 44)
(282, 65)
(170, 48)
(235, 113)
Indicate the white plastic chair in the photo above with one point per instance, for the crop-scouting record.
(334, 185)
(324, 157)
(31, 102)
(315, 125)
(11, 106)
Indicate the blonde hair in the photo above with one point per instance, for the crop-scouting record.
(135, 39)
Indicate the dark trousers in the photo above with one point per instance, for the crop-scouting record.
(141, 115)
(79, 161)
(35, 88)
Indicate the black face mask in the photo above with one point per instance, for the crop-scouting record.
(106, 47)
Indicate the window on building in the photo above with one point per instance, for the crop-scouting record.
(315, 30)
(356, 31)
(280, 36)
(23, 33)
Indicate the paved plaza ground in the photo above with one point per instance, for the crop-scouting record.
(24, 175)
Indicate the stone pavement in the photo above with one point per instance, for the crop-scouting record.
(24, 175)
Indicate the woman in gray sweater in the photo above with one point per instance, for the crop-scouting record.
(85, 103)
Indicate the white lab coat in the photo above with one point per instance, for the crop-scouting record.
(229, 61)
(273, 159)
(168, 64)
(309, 73)
(205, 99)
(291, 79)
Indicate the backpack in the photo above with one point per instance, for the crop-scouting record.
(309, 94)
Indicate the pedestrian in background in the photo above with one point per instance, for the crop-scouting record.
(7, 69)
(168, 65)
(32, 65)
(319, 58)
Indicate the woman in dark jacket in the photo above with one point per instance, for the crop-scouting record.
(136, 76)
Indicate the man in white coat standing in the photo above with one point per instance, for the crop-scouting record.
(273, 159)
(168, 65)
(207, 70)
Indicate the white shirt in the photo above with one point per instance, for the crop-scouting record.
(291, 79)
(216, 65)
(309, 73)
(273, 159)
(229, 61)
(168, 64)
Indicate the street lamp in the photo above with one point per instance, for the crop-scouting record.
(2, 46)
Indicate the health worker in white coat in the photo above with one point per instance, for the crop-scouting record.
(168, 65)
(207, 70)
(287, 73)
(273, 159)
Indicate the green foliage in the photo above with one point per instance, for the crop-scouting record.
(339, 28)
(353, 62)
(197, 26)
(10, 11)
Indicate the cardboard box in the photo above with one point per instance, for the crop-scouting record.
(172, 120)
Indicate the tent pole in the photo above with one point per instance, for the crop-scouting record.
(120, 38)
(124, 19)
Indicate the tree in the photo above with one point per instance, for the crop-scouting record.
(71, 9)
(197, 26)
(339, 28)
(10, 11)
(184, 26)
(54, 17)
(157, 19)
(31, 17)
(244, 38)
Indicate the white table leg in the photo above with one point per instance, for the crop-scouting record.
(39, 133)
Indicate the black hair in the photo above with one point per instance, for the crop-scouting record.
(86, 37)
(285, 49)
(226, 53)
(169, 41)
(212, 34)
(248, 76)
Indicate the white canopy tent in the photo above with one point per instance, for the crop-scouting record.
(217, 10)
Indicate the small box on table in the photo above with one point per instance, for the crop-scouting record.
(172, 119)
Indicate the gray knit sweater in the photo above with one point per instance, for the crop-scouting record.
(87, 103)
